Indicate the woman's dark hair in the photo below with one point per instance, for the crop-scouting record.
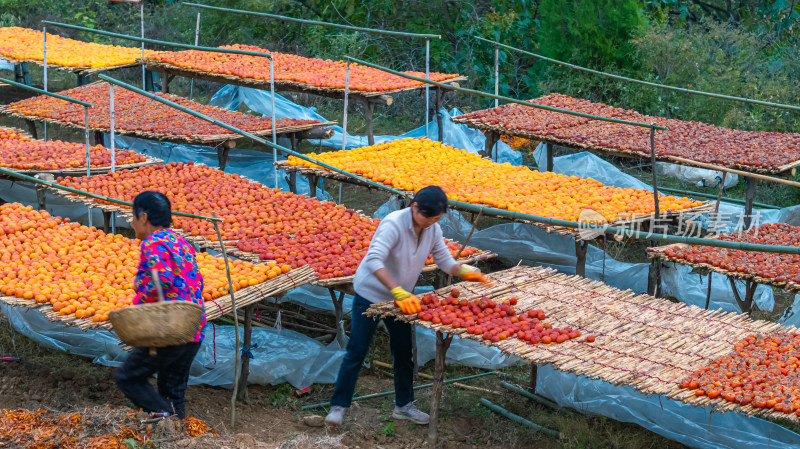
(431, 201)
(157, 207)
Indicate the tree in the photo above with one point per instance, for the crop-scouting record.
(594, 33)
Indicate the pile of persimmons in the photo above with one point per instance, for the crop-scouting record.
(287, 67)
(411, 164)
(493, 321)
(137, 113)
(86, 273)
(690, 140)
(21, 152)
(26, 44)
(762, 371)
(780, 268)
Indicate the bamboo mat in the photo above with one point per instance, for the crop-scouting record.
(207, 139)
(561, 230)
(214, 308)
(647, 343)
(660, 252)
(784, 170)
(165, 67)
(82, 171)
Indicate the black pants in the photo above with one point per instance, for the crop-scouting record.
(362, 329)
(172, 365)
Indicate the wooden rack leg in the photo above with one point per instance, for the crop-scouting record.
(83, 79)
(294, 141)
(654, 278)
(338, 311)
(313, 181)
(106, 222)
(749, 292)
(32, 128)
(246, 342)
(40, 197)
(708, 292)
(749, 196)
(548, 148)
(369, 109)
(442, 344)
(581, 246)
(439, 104)
(21, 74)
(534, 375)
(292, 181)
(491, 139)
(98, 138)
(222, 156)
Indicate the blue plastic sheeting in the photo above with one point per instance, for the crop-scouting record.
(279, 356)
(5, 65)
(693, 426)
(456, 135)
(255, 165)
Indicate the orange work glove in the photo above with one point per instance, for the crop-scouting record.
(472, 274)
(406, 301)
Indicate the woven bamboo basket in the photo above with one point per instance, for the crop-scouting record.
(158, 324)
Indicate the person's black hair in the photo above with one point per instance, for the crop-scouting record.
(157, 207)
(431, 201)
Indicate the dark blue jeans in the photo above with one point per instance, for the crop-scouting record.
(362, 329)
(172, 364)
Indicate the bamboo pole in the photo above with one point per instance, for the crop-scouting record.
(746, 174)
(236, 328)
(442, 344)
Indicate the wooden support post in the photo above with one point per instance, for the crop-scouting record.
(534, 375)
(581, 246)
(654, 278)
(313, 181)
(745, 304)
(149, 81)
(98, 138)
(548, 148)
(106, 222)
(21, 74)
(83, 79)
(223, 152)
(166, 79)
(32, 128)
(442, 344)
(338, 311)
(708, 292)
(40, 196)
(439, 104)
(491, 139)
(749, 196)
(246, 341)
(369, 108)
(292, 181)
(293, 139)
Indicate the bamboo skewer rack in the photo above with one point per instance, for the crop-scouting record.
(647, 343)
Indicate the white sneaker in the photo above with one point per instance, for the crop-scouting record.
(335, 416)
(411, 413)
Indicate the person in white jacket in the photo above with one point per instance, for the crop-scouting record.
(389, 271)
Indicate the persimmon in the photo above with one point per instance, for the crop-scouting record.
(410, 164)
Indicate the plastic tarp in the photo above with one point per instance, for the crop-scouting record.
(701, 177)
(456, 135)
(693, 426)
(5, 65)
(278, 356)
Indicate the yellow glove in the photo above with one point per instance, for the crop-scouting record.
(407, 302)
(400, 293)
